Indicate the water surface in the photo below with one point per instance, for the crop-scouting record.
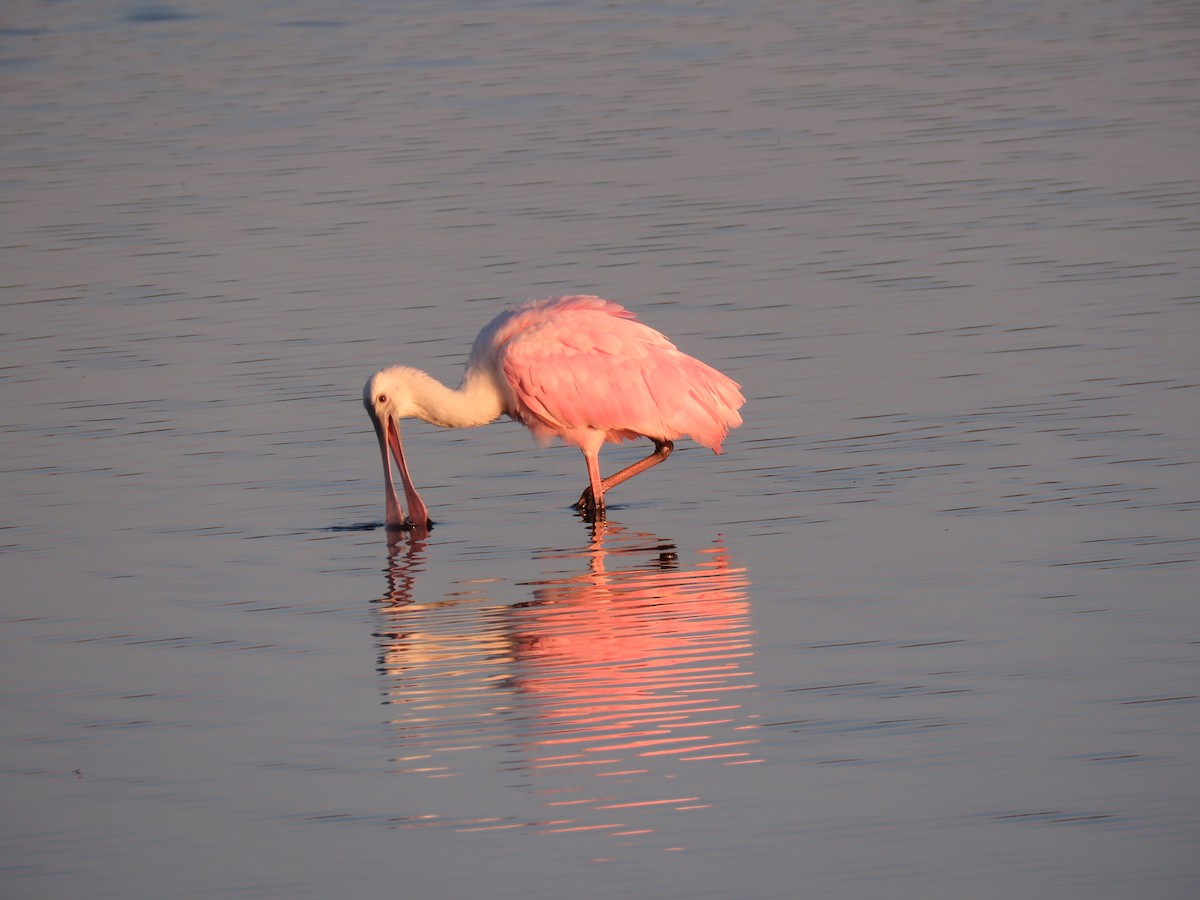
(926, 629)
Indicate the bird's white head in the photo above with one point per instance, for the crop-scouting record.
(389, 392)
(388, 398)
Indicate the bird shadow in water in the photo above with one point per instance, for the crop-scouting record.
(395, 535)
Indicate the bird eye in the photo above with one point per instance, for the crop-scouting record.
(382, 398)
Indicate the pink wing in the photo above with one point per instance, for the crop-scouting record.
(580, 365)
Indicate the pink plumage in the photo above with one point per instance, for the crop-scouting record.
(580, 364)
(578, 368)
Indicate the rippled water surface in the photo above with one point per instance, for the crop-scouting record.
(928, 628)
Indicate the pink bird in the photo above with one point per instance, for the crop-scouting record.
(576, 368)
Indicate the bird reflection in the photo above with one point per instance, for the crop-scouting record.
(632, 662)
(404, 562)
(619, 674)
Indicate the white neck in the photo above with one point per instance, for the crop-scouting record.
(477, 401)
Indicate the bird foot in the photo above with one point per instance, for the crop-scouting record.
(589, 508)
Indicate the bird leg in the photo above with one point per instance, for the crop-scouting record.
(591, 501)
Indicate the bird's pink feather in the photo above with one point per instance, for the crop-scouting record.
(585, 370)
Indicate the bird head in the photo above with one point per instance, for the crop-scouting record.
(388, 398)
(390, 393)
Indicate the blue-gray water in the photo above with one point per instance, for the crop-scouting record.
(927, 629)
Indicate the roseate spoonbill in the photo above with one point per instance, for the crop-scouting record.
(577, 368)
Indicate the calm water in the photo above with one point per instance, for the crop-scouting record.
(927, 629)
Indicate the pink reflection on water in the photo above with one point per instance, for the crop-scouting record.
(598, 691)
(625, 664)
